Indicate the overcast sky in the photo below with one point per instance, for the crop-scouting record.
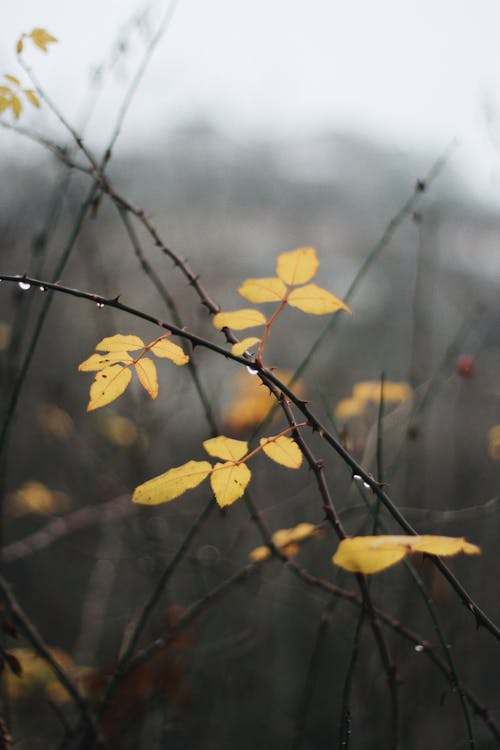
(415, 73)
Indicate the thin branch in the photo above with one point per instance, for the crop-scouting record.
(315, 662)
(268, 377)
(162, 28)
(345, 712)
(19, 382)
(29, 631)
(151, 603)
(59, 528)
(395, 222)
(116, 304)
(172, 307)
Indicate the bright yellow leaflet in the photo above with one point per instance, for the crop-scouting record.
(172, 483)
(297, 266)
(371, 554)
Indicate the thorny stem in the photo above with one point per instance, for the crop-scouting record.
(431, 608)
(393, 225)
(19, 382)
(172, 307)
(29, 631)
(331, 514)
(481, 618)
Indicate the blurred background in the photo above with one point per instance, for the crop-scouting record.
(257, 128)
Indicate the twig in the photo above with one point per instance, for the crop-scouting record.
(29, 631)
(395, 222)
(315, 662)
(59, 528)
(151, 603)
(345, 712)
(268, 377)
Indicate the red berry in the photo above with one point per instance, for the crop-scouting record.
(466, 366)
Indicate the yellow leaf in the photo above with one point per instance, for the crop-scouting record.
(239, 319)
(17, 106)
(252, 402)
(298, 533)
(349, 407)
(4, 103)
(166, 348)
(263, 290)
(100, 361)
(494, 442)
(285, 539)
(314, 300)
(120, 343)
(41, 38)
(229, 481)
(226, 448)
(242, 346)
(54, 421)
(32, 97)
(19, 46)
(369, 390)
(146, 372)
(118, 430)
(283, 450)
(108, 385)
(36, 672)
(172, 483)
(12, 79)
(35, 497)
(260, 553)
(371, 554)
(297, 266)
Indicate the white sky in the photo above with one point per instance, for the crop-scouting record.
(416, 73)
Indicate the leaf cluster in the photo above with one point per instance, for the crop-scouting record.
(10, 96)
(11, 93)
(113, 362)
(288, 287)
(228, 479)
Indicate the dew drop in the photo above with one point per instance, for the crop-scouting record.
(251, 371)
(100, 305)
(419, 648)
(42, 288)
(24, 286)
(358, 478)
